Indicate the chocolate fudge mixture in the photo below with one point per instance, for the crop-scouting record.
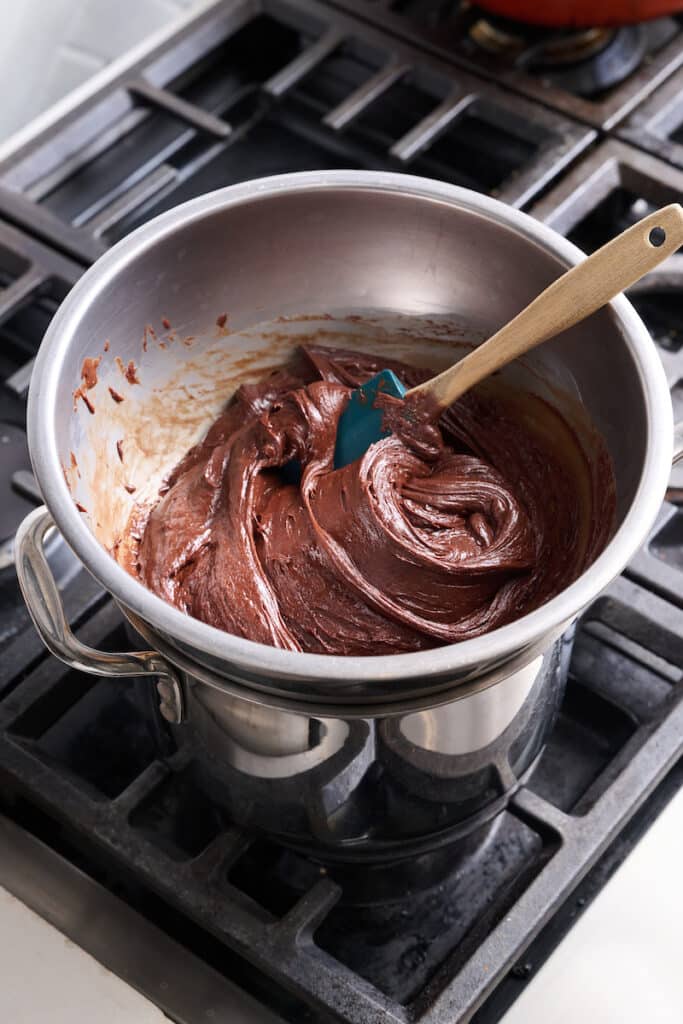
(426, 540)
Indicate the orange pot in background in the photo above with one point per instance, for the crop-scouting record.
(581, 13)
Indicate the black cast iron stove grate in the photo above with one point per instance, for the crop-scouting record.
(657, 124)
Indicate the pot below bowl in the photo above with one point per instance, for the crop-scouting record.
(374, 788)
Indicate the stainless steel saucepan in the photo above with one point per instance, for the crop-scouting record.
(353, 757)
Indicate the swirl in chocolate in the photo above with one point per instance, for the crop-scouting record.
(437, 534)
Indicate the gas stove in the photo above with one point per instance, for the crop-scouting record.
(97, 805)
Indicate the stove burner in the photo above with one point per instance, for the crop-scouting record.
(509, 38)
(585, 62)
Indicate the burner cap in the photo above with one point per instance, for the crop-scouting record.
(584, 61)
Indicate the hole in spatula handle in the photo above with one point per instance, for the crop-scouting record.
(657, 237)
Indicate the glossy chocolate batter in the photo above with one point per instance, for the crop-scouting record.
(430, 538)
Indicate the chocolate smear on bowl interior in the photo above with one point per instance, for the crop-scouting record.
(129, 370)
(88, 382)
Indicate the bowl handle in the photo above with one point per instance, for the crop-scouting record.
(45, 607)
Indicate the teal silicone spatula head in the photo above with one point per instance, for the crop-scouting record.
(360, 425)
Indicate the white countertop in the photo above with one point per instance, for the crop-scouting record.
(44, 977)
(620, 963)
(48, 49)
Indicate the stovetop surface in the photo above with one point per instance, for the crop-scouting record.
(87, 765)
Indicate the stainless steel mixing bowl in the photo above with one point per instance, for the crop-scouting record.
(355, 754)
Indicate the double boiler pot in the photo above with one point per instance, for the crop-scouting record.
(350, 757)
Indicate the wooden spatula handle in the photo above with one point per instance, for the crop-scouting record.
(574, 296)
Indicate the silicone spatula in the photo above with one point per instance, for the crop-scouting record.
(568, 300)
